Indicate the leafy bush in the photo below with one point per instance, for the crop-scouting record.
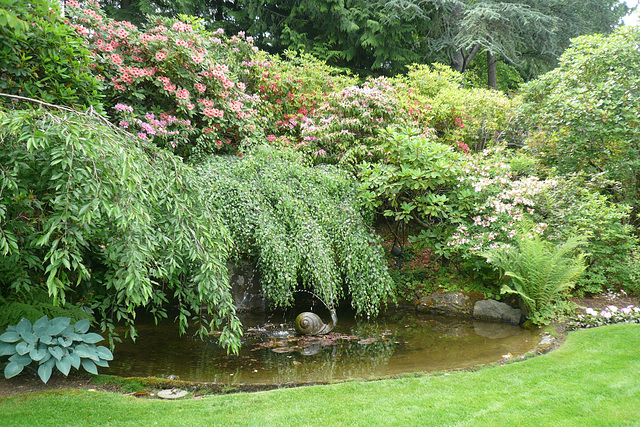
(173, 82)
(43, 58)
(52, 343)
(91, 214)
(469, 119)
(540, 272)
(292, 89)
(585, 114)
(301, 225)
(574, 205)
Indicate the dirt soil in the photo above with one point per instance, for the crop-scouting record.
(29, 382)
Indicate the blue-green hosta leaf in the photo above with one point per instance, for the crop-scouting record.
(82, 326)
(55, 329)
(12, 369)
(29, 337)
(10, 336)
(61, 321)
(45, 369)
(74, 359)
(41, 322)
(39, 353)
(92, 338)
(64, 341)
(47, 339)
(104, 353)
(102, 363)
(56, 352)
(89, 366)
(7, 349)
(20, 360)
(23, 348)
(64, 365)
(23, 326)
(86, 352)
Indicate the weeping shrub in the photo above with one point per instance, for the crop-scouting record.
(93, 215)
(540, 272)
(302, 225)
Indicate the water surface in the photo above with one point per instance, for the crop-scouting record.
(272, 353)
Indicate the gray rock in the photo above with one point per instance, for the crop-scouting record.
(447, 303)
(456, 304)
(494, 310)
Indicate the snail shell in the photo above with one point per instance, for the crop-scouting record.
(308, 323)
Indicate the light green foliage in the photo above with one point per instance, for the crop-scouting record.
(575, 205)
(540, 273)
(52, 343)
(43, 58)
(587, 110)
(91, 214)
(478, 118)
(302, 226)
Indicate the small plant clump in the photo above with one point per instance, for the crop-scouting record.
(52, 343)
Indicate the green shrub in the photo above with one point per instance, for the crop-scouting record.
(469, 119)
(303, 227)
(95, 216)
(52, 343)
(585, 114)
(575, 205)
(539, 272)
(43, 58)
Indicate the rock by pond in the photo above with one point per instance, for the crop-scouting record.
(458, 304)
(498, 311)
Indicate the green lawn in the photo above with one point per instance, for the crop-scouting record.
(592, 380)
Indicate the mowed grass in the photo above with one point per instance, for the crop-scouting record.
(592, 380)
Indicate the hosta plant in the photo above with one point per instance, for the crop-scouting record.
(52, 343)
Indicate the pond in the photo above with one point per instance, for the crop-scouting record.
(272, 353)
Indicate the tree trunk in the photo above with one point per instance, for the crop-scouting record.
(124, 4)
(492, 77)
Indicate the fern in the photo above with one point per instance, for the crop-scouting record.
(36, 305)
(540, 273)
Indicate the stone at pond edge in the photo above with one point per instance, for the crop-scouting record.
(172, 393)
(495, 310)
(457, 304)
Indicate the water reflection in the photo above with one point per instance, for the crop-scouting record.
(273, 353)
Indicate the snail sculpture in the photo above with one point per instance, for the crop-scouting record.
(308, 323)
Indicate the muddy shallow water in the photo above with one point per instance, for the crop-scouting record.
(272, 353)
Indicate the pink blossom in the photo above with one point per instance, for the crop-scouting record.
(123, 107)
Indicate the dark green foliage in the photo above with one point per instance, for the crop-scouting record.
(42, 57)
(94, 215)
(34, 306)
(301, 225)
(52, 343)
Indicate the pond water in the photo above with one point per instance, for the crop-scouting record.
(273, 354)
